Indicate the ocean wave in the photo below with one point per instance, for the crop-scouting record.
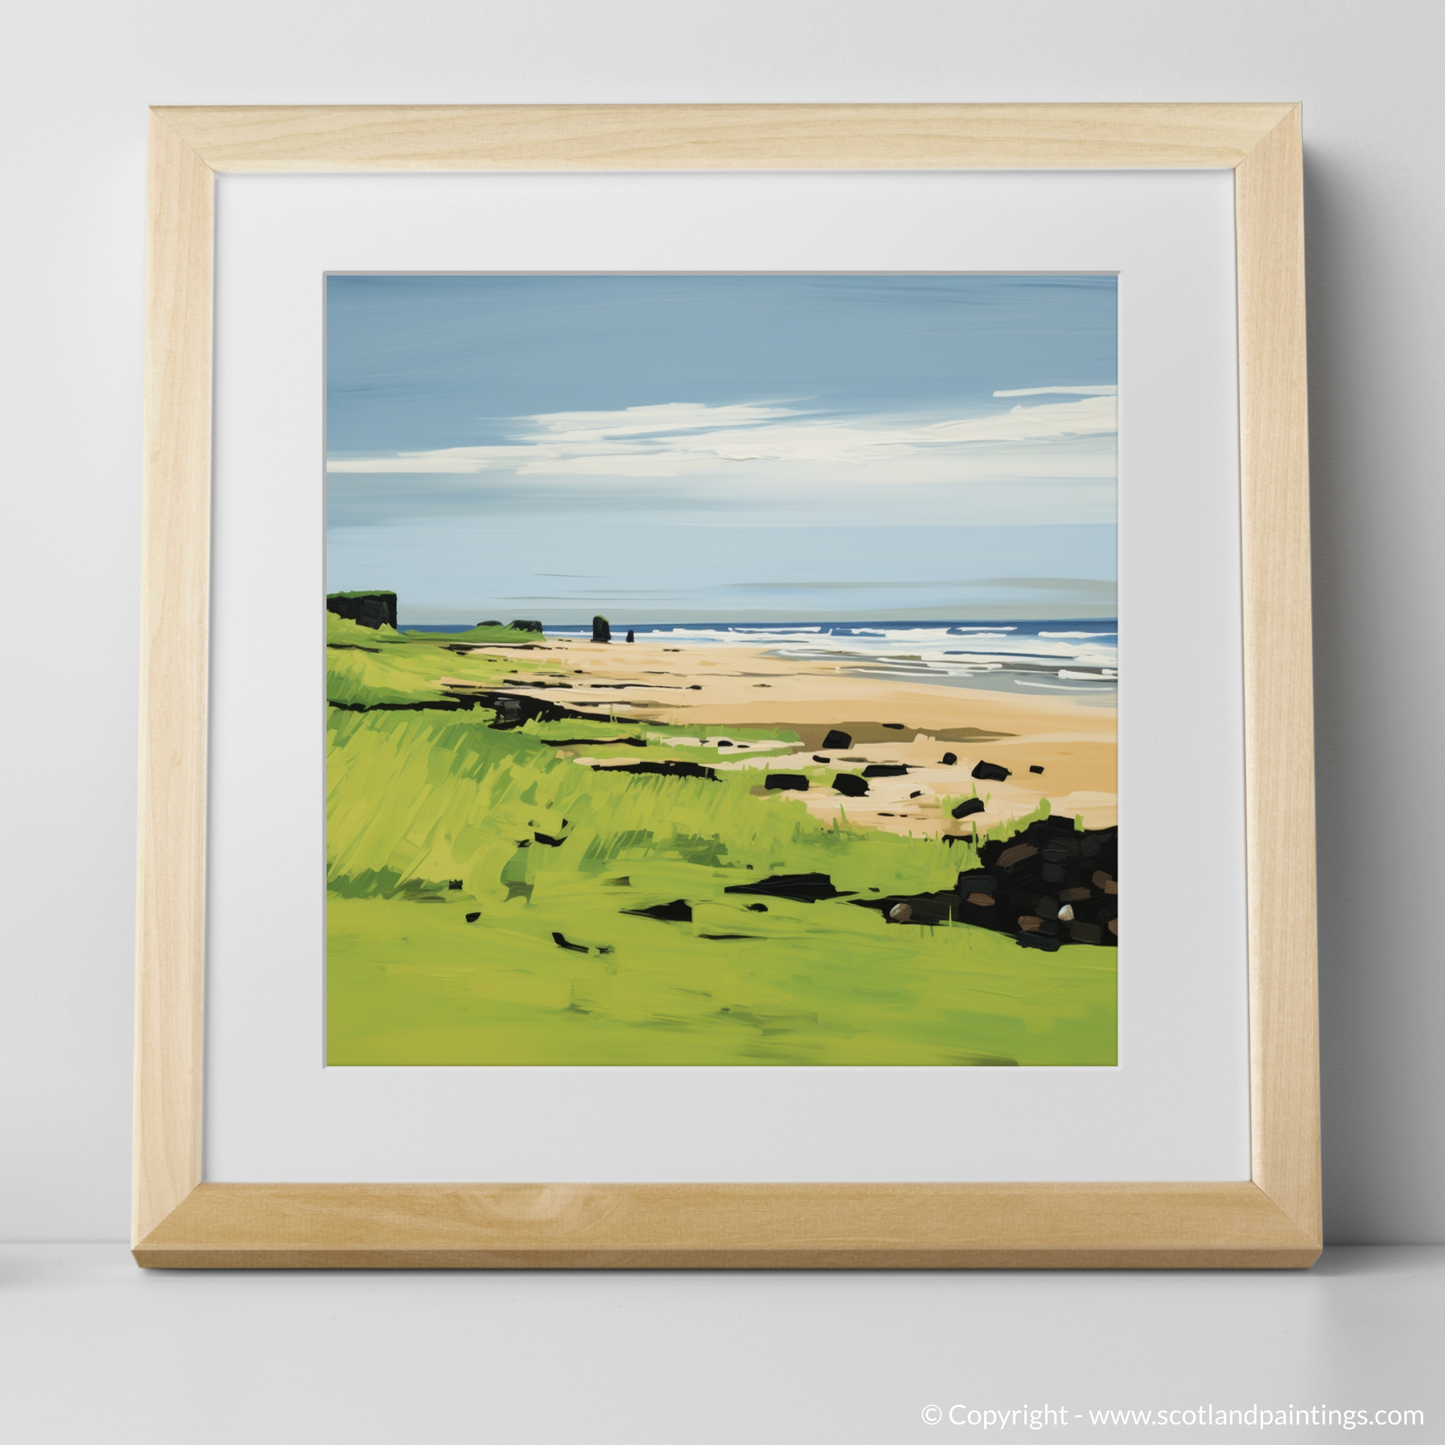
(952, 653)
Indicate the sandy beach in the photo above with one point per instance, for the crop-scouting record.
(1070, 745)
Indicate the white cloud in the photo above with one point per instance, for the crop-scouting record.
(685, 438)
(1057, 421)
(1061, 390)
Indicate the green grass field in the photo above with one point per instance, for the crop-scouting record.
(434, 816)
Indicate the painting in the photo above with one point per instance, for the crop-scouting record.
(721, 670)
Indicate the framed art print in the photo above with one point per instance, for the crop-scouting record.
(782, 577)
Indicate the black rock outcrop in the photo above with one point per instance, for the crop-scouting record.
(666, 769)
(366, 609)
(1047, 885)
(801, 887)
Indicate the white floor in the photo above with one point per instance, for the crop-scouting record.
(93, 1349)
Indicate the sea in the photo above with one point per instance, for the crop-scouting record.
(1040, 657)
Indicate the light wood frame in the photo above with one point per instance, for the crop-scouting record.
(1273, 1220)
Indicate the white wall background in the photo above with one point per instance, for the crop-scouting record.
(78, 77)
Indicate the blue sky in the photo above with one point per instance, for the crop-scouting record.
(723, 448)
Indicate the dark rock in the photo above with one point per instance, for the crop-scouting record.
(441, 704)
(899, 726)
(678, 911)
(454, 883)
(366, 609)
(1053, 873)
(472, 917)
(513, 711)
(570, 947)
(630, 637)
(886, 770)
(800, 887)
(548, 840)
(1035, 940)
(926, 909)
(723, 743)
(1011, 872)
(596, 742)
(1086, 932)
(948, 759)
(490, 622)
(850, 785)
(793, 782)
(968, 807)
(993, 772)
(817, 758)
(694, 687)
(1035, 768)
(601, 630)
(839, 741)
(757, 907)
(668, 769)
(522, 625)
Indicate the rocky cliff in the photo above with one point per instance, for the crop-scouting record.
(368, 609)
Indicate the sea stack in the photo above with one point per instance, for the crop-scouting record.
(601, 630)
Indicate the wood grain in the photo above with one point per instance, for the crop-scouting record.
(175, 569)
(719, 137)
(1279, 707)
(706, 1226)
(1272, 1222)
